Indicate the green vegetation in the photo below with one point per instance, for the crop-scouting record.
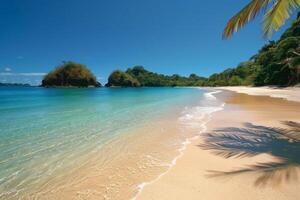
(70, 74)
(276, 12)
(121, 79)
(150, 79)
(138, 76)
(242, 75)
(277, 63)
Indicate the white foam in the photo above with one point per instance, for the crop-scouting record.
(195, 118)
(210, 95)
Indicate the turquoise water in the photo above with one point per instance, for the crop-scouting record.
(45, 131)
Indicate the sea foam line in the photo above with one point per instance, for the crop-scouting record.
(203, 128)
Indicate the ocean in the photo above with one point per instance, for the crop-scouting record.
(94, 143)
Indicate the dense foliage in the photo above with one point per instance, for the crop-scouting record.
(277, 63)
(244, 74)
(119, 78)
(138, 76)
(70, 74)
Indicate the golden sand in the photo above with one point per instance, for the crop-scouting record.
(243, 155)
(134, 159)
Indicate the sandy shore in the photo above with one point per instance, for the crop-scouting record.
(290, 93)
(243, 154)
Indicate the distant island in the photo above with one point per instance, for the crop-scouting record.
(138, 76)
(15, 85)
(70, 74)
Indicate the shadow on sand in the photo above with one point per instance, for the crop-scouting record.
(252, 140)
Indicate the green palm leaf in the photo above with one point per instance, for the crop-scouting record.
(277, 15)
(279, 12)
(248, 13)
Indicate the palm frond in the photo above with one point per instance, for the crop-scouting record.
(248, 13)
(277, 15)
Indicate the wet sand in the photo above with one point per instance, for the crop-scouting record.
(134, 159)
(120, 167)
(288, 93)
(250, 151)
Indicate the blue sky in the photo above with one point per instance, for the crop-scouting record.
(165, 36)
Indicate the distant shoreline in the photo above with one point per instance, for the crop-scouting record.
(15, 85)
(287, 93)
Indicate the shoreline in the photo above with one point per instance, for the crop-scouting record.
(210, 95)
(181, 182)
(288, 93)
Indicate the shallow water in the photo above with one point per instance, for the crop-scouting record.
(93, 143)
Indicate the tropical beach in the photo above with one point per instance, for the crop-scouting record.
(245, 153)
(143, 100)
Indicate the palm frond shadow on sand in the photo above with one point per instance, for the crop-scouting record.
(251, 140)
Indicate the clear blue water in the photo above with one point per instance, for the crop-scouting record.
(43, 131)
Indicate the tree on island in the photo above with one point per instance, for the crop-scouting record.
(70, 74)
(121, 79)
(139, 76)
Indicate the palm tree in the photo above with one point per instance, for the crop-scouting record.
(276, 12)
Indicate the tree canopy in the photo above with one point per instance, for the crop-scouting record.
(276, 63)
(121, 79)
(138, 76)
(70, 74)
